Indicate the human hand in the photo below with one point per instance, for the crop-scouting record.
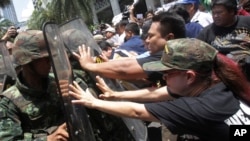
(11, 33)
(84, 57)
(82, 97)
(104, 57)
(108, 93)
(61, 134)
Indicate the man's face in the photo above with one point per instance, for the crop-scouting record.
(107, 52)
(155, 42)
(222, 17)
(189, 7)
(42, 66)
(176, 81)
(120, 29)
(109, 34)
(128, 35)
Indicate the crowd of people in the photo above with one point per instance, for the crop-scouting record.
(190, 67)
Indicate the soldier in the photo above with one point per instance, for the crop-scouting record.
(30, 109)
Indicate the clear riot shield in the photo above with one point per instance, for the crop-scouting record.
(7, 70)
(75, 33)
(77, 120)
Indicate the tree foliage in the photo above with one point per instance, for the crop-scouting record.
(4, 25)
(60, 11)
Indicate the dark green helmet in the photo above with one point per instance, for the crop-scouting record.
(29, 45)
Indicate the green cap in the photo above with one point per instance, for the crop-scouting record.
(184, 54)
(29, 45)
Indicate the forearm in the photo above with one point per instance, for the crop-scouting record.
(124, 109)
(144, 95)
(118, 69)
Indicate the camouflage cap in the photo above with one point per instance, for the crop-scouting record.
(29, 45)
(184, 54)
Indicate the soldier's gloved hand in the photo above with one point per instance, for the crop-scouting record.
(60, 134)
(108, 94)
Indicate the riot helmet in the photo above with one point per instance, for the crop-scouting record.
(29, 45)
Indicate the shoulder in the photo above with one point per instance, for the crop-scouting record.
(151, 57)
(193, 25)
(6, 99)
(206, 31)
(244, 20)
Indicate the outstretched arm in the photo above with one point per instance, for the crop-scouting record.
(124, 109)
(116, 69)
(151, 94)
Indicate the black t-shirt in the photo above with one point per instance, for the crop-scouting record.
(154, 77)
(207, 116)
(227, 39)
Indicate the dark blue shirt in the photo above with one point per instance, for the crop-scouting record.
(134, 44)
(193, 29)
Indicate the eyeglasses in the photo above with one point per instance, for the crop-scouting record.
(170, 73)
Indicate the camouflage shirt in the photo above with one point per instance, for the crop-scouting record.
(27, 114)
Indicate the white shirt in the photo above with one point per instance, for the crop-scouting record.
(202, 18)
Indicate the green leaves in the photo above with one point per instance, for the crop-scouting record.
(60, 11)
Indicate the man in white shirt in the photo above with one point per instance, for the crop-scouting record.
(192, 6)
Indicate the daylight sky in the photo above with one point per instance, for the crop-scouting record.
(23, 9)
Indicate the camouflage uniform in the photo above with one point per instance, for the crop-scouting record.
(25, 113)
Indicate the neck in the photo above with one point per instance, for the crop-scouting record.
(199, 88)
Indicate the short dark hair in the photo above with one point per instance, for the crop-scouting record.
(170, 23)
(121, 23)
(180, 10)
(104, 45)
(133, 27)
(230, 5)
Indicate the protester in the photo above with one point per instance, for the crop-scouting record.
(111, 38)
(134, 44)
(107, 51)
(120, 30)
(227, 25)
(192, 6)
(165, 26)
(204, 110)
(192, 28)
(229, 33)
(31, 109)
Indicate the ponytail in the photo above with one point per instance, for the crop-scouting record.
(232, 76)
